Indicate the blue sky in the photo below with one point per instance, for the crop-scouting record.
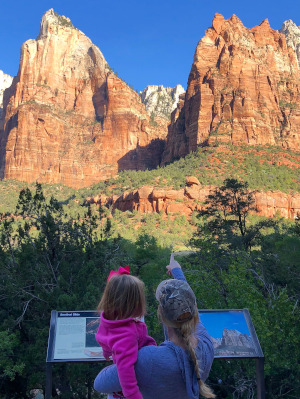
(215, 322)
(145, 42)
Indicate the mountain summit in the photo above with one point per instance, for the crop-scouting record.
(244, 87)
(68, 118)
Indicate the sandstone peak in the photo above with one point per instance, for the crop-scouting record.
(265, 22)
(5, 82)
(292, 34)
(244, 87)
(161, 101)
(51, 20)
(218, 22)
(235, 20)
(67, 118)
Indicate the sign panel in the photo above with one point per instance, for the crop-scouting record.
(232, 333)
(72, 336)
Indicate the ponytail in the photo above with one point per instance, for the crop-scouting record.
(185, 331)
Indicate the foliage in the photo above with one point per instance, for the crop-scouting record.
(45, 256)
(225, 274)
(63, 21)
(56, 254)
(226, 211)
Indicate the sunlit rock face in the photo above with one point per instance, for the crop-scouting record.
(243, 88)
(5, 82)
(67, 118)
(148, 199)
(161, 101)
(292, 34)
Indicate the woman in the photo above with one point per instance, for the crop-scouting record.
(180, 365)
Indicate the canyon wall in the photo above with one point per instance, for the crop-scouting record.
(244, 87)
(67, 118)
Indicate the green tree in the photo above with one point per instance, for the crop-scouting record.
(226, 212)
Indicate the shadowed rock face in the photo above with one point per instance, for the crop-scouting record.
(243, 88)
(67, 118)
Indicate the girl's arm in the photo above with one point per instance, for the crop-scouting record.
(125, 351)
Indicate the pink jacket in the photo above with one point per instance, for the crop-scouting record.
(122, 339)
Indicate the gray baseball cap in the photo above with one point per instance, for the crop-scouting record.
(177, 300)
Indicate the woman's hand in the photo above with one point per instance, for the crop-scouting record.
(172, 265)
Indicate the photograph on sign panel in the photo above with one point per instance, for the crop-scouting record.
(92, 348)
(230, 333)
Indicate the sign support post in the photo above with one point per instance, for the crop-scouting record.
(260, 378)
(48, 391)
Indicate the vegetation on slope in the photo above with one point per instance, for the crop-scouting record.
(264, 168)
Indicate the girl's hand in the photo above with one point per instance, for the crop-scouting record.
(172, 265)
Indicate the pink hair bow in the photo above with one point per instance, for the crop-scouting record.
(122, 270)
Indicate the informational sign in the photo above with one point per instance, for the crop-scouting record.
(232, 333)
(72, 336)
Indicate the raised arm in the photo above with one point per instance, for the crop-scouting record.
(205, 351)
(174, 269)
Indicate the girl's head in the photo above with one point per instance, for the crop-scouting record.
(123, 297)
(178, 311)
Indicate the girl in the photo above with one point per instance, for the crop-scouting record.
(121, 334)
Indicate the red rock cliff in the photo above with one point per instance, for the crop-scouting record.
(244, 87)
(149, 199)
(67, 118)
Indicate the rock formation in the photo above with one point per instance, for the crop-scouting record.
(235, 338)
(67, 118)
(161, 101)
(292, 34)
(5, 82)
(244, 87)
(148, 199)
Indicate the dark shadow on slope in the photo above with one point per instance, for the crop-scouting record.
(4, 133)
(142, 158)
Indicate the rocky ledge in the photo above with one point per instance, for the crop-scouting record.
(148, 199)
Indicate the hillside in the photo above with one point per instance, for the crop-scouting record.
(270, 170)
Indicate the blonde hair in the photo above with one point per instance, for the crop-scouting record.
(185, 331)
(123, 297)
